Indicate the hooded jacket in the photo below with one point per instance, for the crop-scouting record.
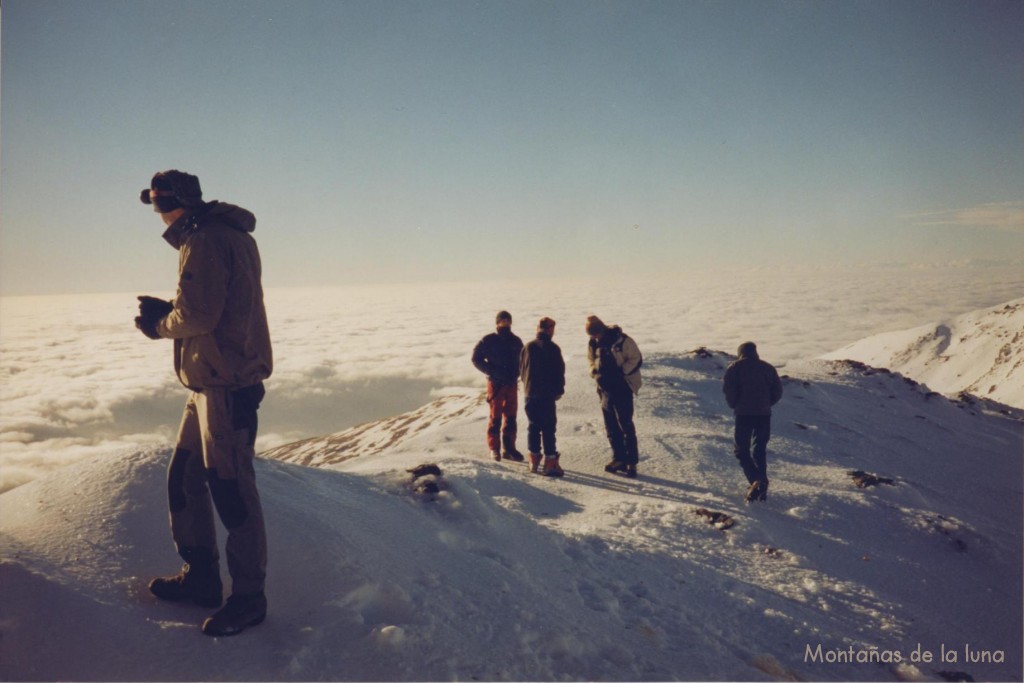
(219, 324)
(615, 359)
(542, 368)
(497, 356)
(751, 386)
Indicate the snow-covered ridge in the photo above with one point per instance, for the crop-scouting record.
(503, 575)
(981, 353)
(372, 438)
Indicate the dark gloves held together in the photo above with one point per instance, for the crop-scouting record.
(151, 312)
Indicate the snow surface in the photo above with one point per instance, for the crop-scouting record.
(981, 352)
(504, 575)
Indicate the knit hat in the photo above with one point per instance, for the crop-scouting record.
(170, 190)
(502, 315)
(595, 326)
(747, 350)
(545, 324)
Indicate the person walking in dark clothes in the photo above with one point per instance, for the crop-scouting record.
(497, 356)
(543, 371)
(222, 353)
(751, 388)
(615, 362)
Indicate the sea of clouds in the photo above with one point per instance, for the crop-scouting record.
(77, 379)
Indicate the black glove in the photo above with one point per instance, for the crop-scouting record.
(147, 326)
(151, 312)
(153, 308)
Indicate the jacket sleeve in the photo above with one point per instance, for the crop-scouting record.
(776, 386)
(592, 358)
(524, 364)
(520, 347)
(202, 290)
(730, 387)
(560, 371)
(631, 357)
(480, 358)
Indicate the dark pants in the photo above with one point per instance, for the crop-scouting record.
(540, 411)
(756, 428)
(617, 408)
(212, 468)
(504, 402)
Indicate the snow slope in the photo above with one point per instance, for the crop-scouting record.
(503, 575)
(981, 352)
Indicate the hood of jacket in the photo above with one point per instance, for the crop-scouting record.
(230, 215)
(610, 337)
(747, 350)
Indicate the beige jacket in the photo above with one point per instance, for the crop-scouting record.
(219, 324)
(625, 355)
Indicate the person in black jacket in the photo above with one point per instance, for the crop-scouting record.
(751, 388)
(543, 371)
(497, 356)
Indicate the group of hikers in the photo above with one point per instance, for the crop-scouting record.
(751, 387)
(615, 364)
(222, 354)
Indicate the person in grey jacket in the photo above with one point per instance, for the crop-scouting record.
(751, 388)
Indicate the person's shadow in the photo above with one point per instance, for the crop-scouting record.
(644, 486)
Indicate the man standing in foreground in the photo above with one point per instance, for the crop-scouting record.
(543, 371)
(751, 388)
(222, 353)
(497, 356)
(615, 362)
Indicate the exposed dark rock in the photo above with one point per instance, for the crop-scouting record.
(719, 520)
(425, 469)
(426, 480)
(863, 479)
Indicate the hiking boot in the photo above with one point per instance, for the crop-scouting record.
(763, 495)
(534, 462)
(513, 455)
(240, 612)
(496, 455)
(631, 471)
(615, 466)
(552, 468)
(754, 492)
(198, 583)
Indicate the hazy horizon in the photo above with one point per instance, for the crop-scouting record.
(81, 380)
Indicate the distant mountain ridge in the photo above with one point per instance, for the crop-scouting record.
(981, 353)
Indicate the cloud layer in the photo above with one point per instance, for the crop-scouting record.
(1007, 216)
(78, 379)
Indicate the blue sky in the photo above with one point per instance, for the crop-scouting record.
(417, 141)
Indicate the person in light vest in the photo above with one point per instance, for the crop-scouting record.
(615, 362)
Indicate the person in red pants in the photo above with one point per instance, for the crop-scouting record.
(497, 356)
